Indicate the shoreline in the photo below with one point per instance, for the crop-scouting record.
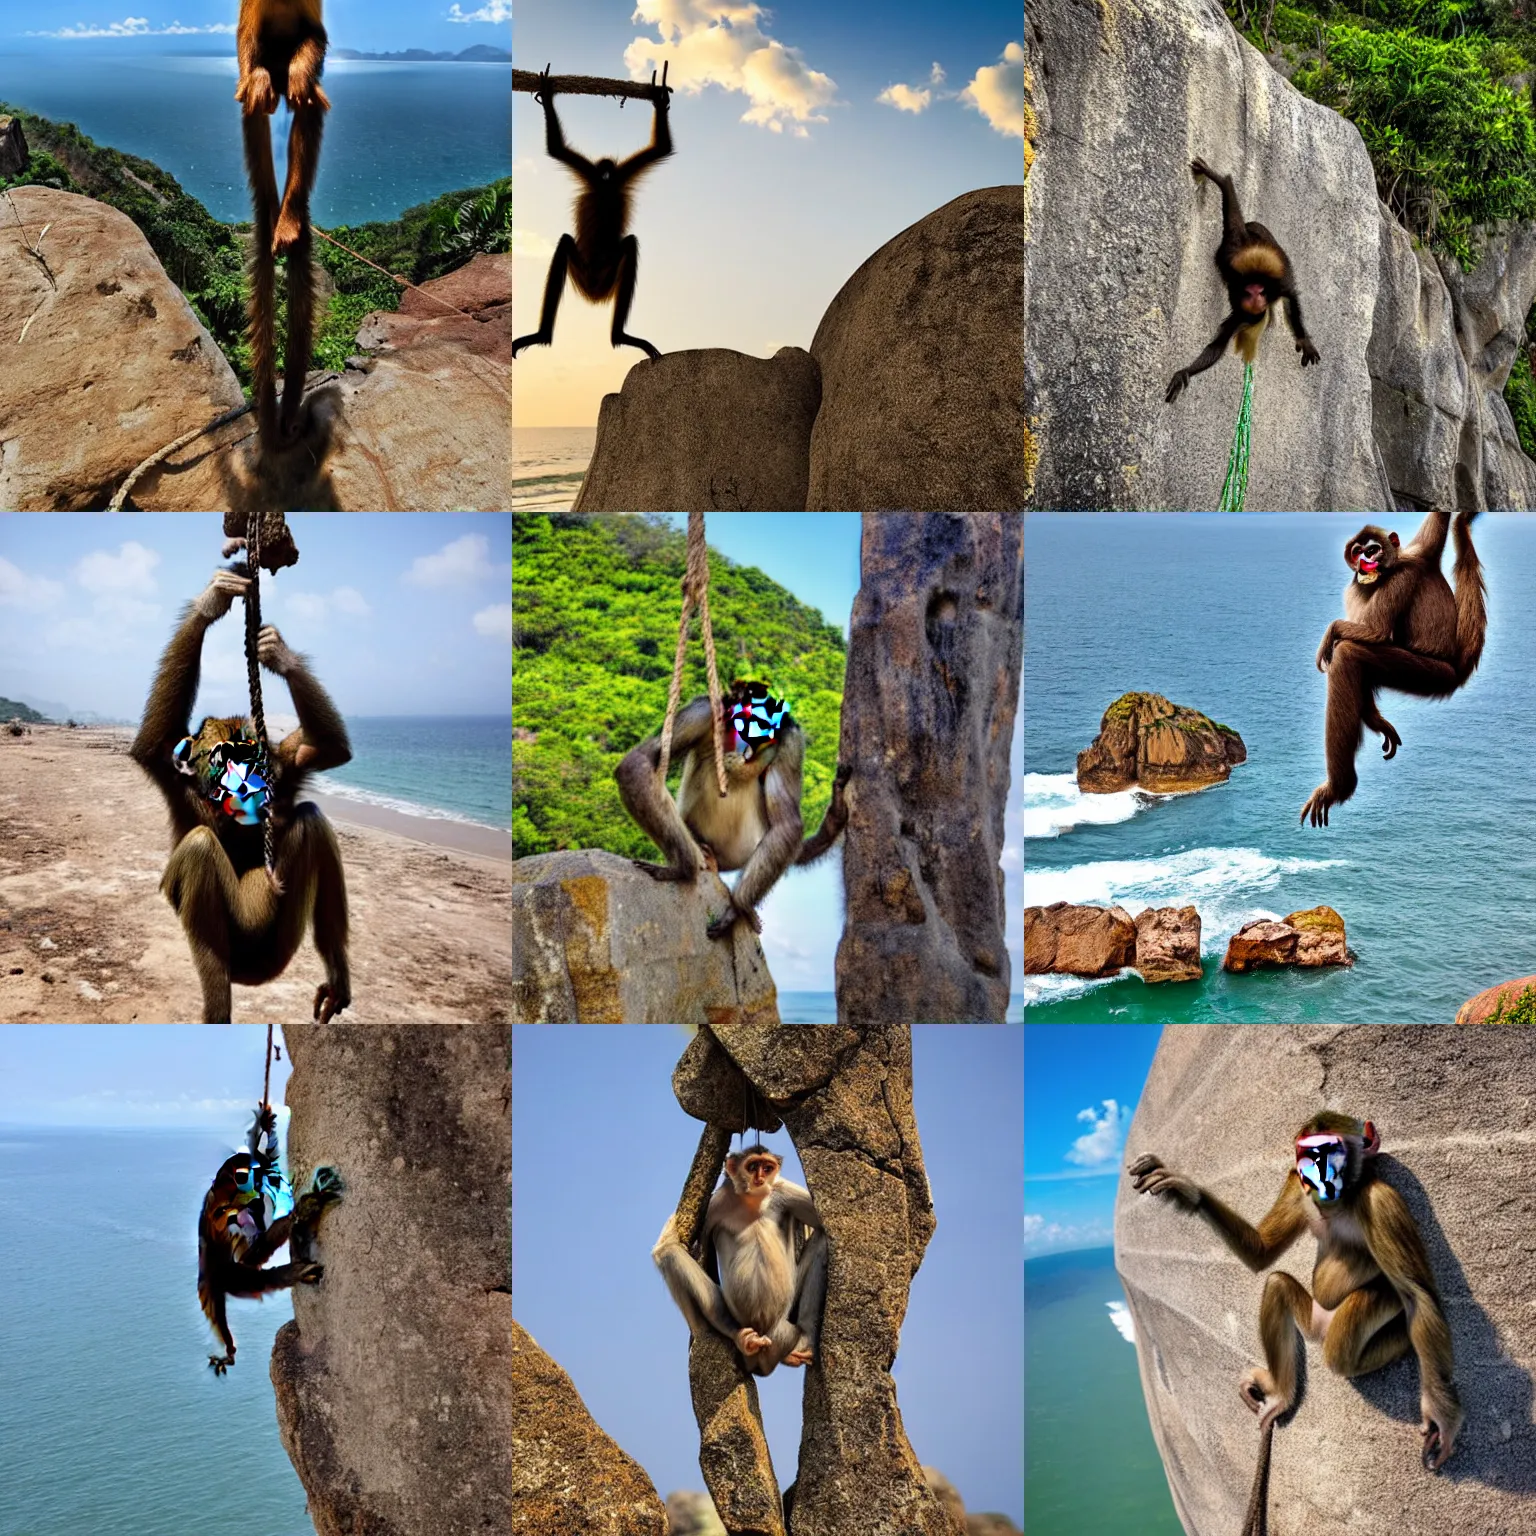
(467, 837)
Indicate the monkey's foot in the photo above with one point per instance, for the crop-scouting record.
(1257, 1390)
(750, 1342)
(659, 871)
(533, 339)
(1390, 741)
(624, 339)
(798, 1357)
(286, 235)
(219, 1364)
(1316, 808)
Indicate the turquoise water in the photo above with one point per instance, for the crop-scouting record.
(111, 1423)
(397, 134)
(1091, 1467)
(453, 766)
(1430, 863)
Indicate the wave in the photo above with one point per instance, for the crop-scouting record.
(1120, 1316)
(1053, 804)
(328, 786)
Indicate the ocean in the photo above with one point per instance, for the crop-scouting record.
(452, 767)
(548, 466)
(397, 134)
(1091, 1467)
(111, 1422)
(821, 1008)
(1430, 864)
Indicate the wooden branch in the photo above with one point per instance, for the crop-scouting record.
(585, 85)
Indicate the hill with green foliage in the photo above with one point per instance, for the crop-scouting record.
(11, 710)
(206, 258)
(595, 603)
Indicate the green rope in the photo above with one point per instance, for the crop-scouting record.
(1234, 489)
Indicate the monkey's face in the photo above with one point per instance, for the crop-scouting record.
(229, 767)
(1323, 1163)
(754, 1175)
(1255, 299)
(1371, 551)
(754, 722)
(604, 169)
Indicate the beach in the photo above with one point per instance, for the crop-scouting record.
(86, 936)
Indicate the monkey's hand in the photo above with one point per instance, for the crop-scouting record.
(273, 653)
(663, 871)
(215, 599)
(304, 91)
(1307, 350)
(1150, 1177)
(1177, 385)
(310, 1274)
(255, 93)
(1325, 650)
(331, 996)
(1439, 1427)
(218, 1364)
(1199, 168)
(722, 927)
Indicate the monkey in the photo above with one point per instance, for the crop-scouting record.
(1373, 1295)
(240, 927)
(280, 46)
(236, 1232)
(756, 828)
(762, 1279)
(602, 259)
(1402, 628)
(1257, 274)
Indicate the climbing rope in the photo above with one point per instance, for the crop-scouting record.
(253, 679)
(266, 1079)
(695, 590)
(1234, 490)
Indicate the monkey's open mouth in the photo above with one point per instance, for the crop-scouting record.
(1366, 572)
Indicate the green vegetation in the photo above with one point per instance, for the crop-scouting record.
(595, 605)
(10, 709)
(1523, 1010)
(206, 259)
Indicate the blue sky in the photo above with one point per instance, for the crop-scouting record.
(401, 613)
(1081, 1086)
(815, 555)
(371, 26)
(160, 1076)
(600, 1149)
(808, 133)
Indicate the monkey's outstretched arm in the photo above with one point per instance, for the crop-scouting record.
(1207, 359)
(1429, 541)
(645, 797)
(832, 823)
(554, 139)
(1258, 1247)
(321, 739)
(659, 147)
(1304, 344)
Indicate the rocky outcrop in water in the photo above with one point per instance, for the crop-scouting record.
(1168, 944)
(1146, 742)
(1067, 940)
(1311, 938)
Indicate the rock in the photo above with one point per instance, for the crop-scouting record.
(105, 360)
(935, 655)
(595, 941)
(1458, 1128)
(1146, 741)
(1511, 1002)
(692, 1514)
(1311, 938)
(394, 1379)
(990, 1525)
(921, 408)
(14, 156)
(1407, 403)
(948, 1496)
(568, 1477)
(714, 429)
(1168, 944)
(1078, 941)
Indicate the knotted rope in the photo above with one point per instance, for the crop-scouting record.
(695, 590)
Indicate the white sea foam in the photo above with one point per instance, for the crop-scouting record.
(1053, 804)
(329, 786)
(1120, 1316)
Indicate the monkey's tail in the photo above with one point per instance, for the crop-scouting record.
(1471, 600)
(1256, 1522)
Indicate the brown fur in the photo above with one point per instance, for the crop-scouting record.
(1405, 630)
(1260, 259)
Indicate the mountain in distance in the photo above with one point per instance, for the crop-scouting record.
(481, 53)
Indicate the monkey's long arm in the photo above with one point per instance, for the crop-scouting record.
(1429, 542)
(1207, 359)
(1258, 1247)
(321, 739)
(796, 1202)
(659, 147)
(168, 709)
(832, 823)
(554, 140)
(645, 797)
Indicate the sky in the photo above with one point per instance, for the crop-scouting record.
(400, 613)
(165, 26)
(1080, 1091)
(117, 1076)
(807, 135)
(815, 555)
(600, 1150)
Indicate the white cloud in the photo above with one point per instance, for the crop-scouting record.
(1042, 1236)
(1032, 1224)
(912, 98)
(456, 564)
(122, 585)
(349, 600)
(19, 590)
(495, 622)
(720, 42)
(997, 92)
(1102, 1144)
(494, 10)
(133, 26)
(317, 607)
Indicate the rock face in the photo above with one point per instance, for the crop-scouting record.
(1458, 1128)
(1078, 941)
(14, 155)
(394, 1379)
(922, 389)
(103, 362)
(1168, 944)
(1148, 742)
(935, 654)
(1495, 1004)
(692, 1514)
(1406, 406)
(569, 1478)
(1310, 938)
(714, 429)
(595, 941)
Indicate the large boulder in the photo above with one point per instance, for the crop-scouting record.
(1311, 938)
(1066, 940)
(1147, 742)
(1458, 1126)
(1168, 944)
(922, 389)
(1495, 1005)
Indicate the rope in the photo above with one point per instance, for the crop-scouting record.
(253, 679)
(695, 590)
(393, 277)
(266, 1080)
(1255, 1522)
(118, 501)
(1234, 489)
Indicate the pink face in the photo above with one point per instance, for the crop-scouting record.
(1255, 301)
(759, 1171)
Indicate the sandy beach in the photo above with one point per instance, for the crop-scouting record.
(86, 937)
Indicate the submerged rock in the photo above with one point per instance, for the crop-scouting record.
(1168, 944)
(1146, 741)
(1066, 940)
(1311, 938)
